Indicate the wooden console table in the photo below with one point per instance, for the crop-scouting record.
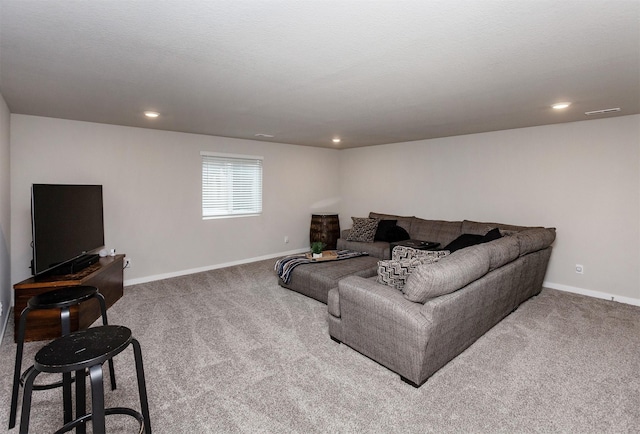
(106, 275)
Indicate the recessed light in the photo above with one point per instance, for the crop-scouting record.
(266, 136)
(561, 105)
(151, 114)
(336, 140)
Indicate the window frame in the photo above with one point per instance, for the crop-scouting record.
(226, 174)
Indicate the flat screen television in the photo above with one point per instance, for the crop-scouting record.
(67, 226)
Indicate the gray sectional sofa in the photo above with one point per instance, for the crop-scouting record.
(445, 306)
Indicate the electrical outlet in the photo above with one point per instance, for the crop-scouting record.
(127, 263)
(286, 239)
(579, 269)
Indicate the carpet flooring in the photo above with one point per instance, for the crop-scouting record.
(229, 351)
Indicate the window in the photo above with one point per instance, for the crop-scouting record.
(231, 185)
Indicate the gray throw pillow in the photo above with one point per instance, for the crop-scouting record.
(363, 230)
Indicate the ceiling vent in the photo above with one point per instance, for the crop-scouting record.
(603, 111)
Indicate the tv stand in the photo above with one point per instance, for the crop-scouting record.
(106, 274)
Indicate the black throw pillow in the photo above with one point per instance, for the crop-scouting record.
(397, 233)
(468, 240)
(464, 240)
(383, 227)
(493, 234)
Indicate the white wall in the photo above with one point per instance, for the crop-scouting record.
(5, 217)
(152, 193)
(582, 178)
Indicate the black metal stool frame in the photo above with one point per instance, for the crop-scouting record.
(72, 347)
(60, 298)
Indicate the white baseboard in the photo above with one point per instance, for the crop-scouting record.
(590, 293)
(129, 282)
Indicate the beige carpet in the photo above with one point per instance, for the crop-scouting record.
(230, 351)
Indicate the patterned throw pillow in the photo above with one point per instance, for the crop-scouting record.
(396, 272)
(364, 229)
(402, 252)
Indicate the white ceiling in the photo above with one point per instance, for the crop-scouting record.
(371, 72)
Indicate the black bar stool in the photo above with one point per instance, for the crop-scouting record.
(88, 349)
(63, 299)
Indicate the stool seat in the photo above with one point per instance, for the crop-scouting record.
(63, 297)
(81, 352)
(82, 349)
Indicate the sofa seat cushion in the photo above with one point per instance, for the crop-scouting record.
(448, 274)
(378, 249)
(316, 279)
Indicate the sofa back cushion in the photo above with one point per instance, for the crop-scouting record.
(448, 274)
(440, 231)
(481, 228)
(532, 240)
(502, 251)
(402, 221)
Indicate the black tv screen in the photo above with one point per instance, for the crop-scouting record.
(67, 222)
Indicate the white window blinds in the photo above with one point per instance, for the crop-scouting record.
(231, 185)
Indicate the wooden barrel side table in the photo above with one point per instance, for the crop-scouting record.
(325, 227)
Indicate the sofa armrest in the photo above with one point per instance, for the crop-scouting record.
(377, 249)
(379, 322)
(379, 299)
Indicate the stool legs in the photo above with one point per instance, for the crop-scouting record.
(18, 368)
(65, 323)
(98, 411)
(97, 399)
(26, 401)
(66, 377)
(142, 386)
(81, 407)
(103, 310)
